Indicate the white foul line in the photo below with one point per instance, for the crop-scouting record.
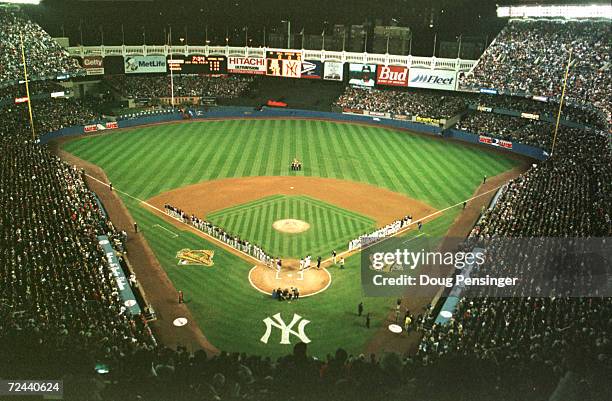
(175, 235)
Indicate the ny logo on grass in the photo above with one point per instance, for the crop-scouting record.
(285, 329)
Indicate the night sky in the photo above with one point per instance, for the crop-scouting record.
(449, 18)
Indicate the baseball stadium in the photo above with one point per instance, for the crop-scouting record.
(239, 200)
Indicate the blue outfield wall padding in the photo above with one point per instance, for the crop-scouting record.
(266, 112)
(519, 148)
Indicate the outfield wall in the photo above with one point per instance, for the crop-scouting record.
(228, 112)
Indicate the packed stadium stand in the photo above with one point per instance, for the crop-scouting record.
(47, 57)
(60, 313)
(159, 86)
(529, 57)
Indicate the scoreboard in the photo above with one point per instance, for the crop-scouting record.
(284, 55)
(195, 64)
(284, 64)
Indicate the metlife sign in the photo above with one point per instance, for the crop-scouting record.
(144, 64)
(432, 79)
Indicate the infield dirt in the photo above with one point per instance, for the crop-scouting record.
(382, 205)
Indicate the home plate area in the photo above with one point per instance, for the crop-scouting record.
(309, 281)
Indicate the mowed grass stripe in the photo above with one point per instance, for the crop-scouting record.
(385, 156)
(436, 166)
(423, 187)
(324, 205)
(239, 132)
(333, 134)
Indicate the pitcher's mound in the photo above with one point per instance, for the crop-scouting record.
(290, 226)
(309, 282)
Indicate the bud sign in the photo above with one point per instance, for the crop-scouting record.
(393, 75)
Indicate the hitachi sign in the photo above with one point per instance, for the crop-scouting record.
(246, 61)
(432, 79)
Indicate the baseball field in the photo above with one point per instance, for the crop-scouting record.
(236, 174)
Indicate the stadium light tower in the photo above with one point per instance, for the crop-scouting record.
(288, 33)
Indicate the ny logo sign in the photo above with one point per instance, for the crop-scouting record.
(285, 329)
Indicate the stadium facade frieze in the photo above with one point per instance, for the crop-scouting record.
(250, 53)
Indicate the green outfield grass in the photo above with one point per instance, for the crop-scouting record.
(150, 160)
(330, 227)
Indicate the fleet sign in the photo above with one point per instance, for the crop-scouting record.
(392, 75)
(144, 64)
(246, 65)
(432, 79)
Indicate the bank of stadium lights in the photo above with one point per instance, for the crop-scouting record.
(35, 2)
(560, 11)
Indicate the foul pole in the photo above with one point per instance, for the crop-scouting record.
(569, 62)
(27, 85)
(171, 71)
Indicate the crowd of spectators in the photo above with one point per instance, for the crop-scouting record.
(514, 129)
(44, 56)
(56, 286)
(67, 113)
(423, 103)
(152, 87)
(531, 57)
(565, 197)
(60, 312)
(36, 88)
(583, 114)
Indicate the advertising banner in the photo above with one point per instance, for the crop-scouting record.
(427, 120)
(246, 65)
(495, 142)
(530, 116)
(284, 68)
(93, 65)
(112, 125)
(362, 74)
(377, 114)
(144, 64)
(312, 69)
(393, 75)
(485, 109)
(90, 128)
(333, 71)
(432, 79)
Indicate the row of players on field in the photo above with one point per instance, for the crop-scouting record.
(306, 263)
(259, 254)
